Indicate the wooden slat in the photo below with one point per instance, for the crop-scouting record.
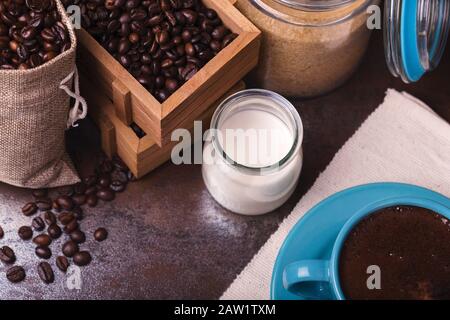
(122, 101)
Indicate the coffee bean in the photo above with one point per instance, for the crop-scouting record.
(66, 217)
(45, 272)
(78, 236)
(106, 194)
(82, 258)
(38, 224)
(65, 202)
(44, 204)
(70, 248)
(54, 231)
(62, 263)
(90, 181)
(100, 234)
(120, 175)
(91, 190)
(25, 233)
(43, 252)
(104, 181)
(40, 193)
(78, 213)
(117, 186)
(56, 206)
(71, 226)
(66, 191)
(228, 39)
(49, 218)
(2, 233)
(42, 240)
(79, 199)
(15, 274)
(219, 33)
(7, 255)
(29, 209)
(92, 200)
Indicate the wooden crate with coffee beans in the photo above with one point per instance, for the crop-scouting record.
(162, 62)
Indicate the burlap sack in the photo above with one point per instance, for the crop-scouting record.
(34, 111)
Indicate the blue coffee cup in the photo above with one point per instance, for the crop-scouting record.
(319, 279)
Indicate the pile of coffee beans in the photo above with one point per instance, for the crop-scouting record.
(31, 33)
(162, 43)
(62, 215)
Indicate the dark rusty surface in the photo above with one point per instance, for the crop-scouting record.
(168, 238)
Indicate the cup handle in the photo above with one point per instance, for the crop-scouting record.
(308, 278)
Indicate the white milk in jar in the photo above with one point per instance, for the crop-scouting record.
(253, 159)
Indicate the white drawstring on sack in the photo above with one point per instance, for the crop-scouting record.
(75, 113)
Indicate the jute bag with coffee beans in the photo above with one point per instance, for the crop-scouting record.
(34, 114)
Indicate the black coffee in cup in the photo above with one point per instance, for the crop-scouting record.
(397, 253)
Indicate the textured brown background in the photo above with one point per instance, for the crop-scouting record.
(168, 238)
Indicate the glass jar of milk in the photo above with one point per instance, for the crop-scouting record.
(253, 157)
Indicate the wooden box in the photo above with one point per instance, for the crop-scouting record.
(133, 103)
(141, 155)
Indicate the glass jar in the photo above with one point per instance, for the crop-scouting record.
(415, 34)
(257, 172)
(309, 47)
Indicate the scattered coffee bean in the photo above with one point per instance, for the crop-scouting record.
(38, 224)
(49, 218)
(25, 233)
(71, 226)
(42, 240)
(79, 199)
(66, 217)
(44, 204)
(82, 258)
(43, 252)
(7, 255)
(56, 206)
(78, 213)
(92, 200)
(62, 263)
(2, 233)
(91, 191)
(15, 274)
(100, 234)
(40, 193)
(78, 236)
(104, 181)
(45, 272)
(90, 181)
(66, 191)
(54, 231)
(106, 194)
(119, 175)
(70, 248)
(65, 202)
(117, 186)
(29, 209)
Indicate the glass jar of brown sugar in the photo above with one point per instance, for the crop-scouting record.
(309, 47)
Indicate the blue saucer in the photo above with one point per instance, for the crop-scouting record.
(314, 235)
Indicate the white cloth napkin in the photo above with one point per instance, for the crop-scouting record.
(402, 141)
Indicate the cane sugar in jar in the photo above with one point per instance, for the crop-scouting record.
(253, 157)
(309, 47)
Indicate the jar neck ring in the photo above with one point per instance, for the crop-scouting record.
(416, 33)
